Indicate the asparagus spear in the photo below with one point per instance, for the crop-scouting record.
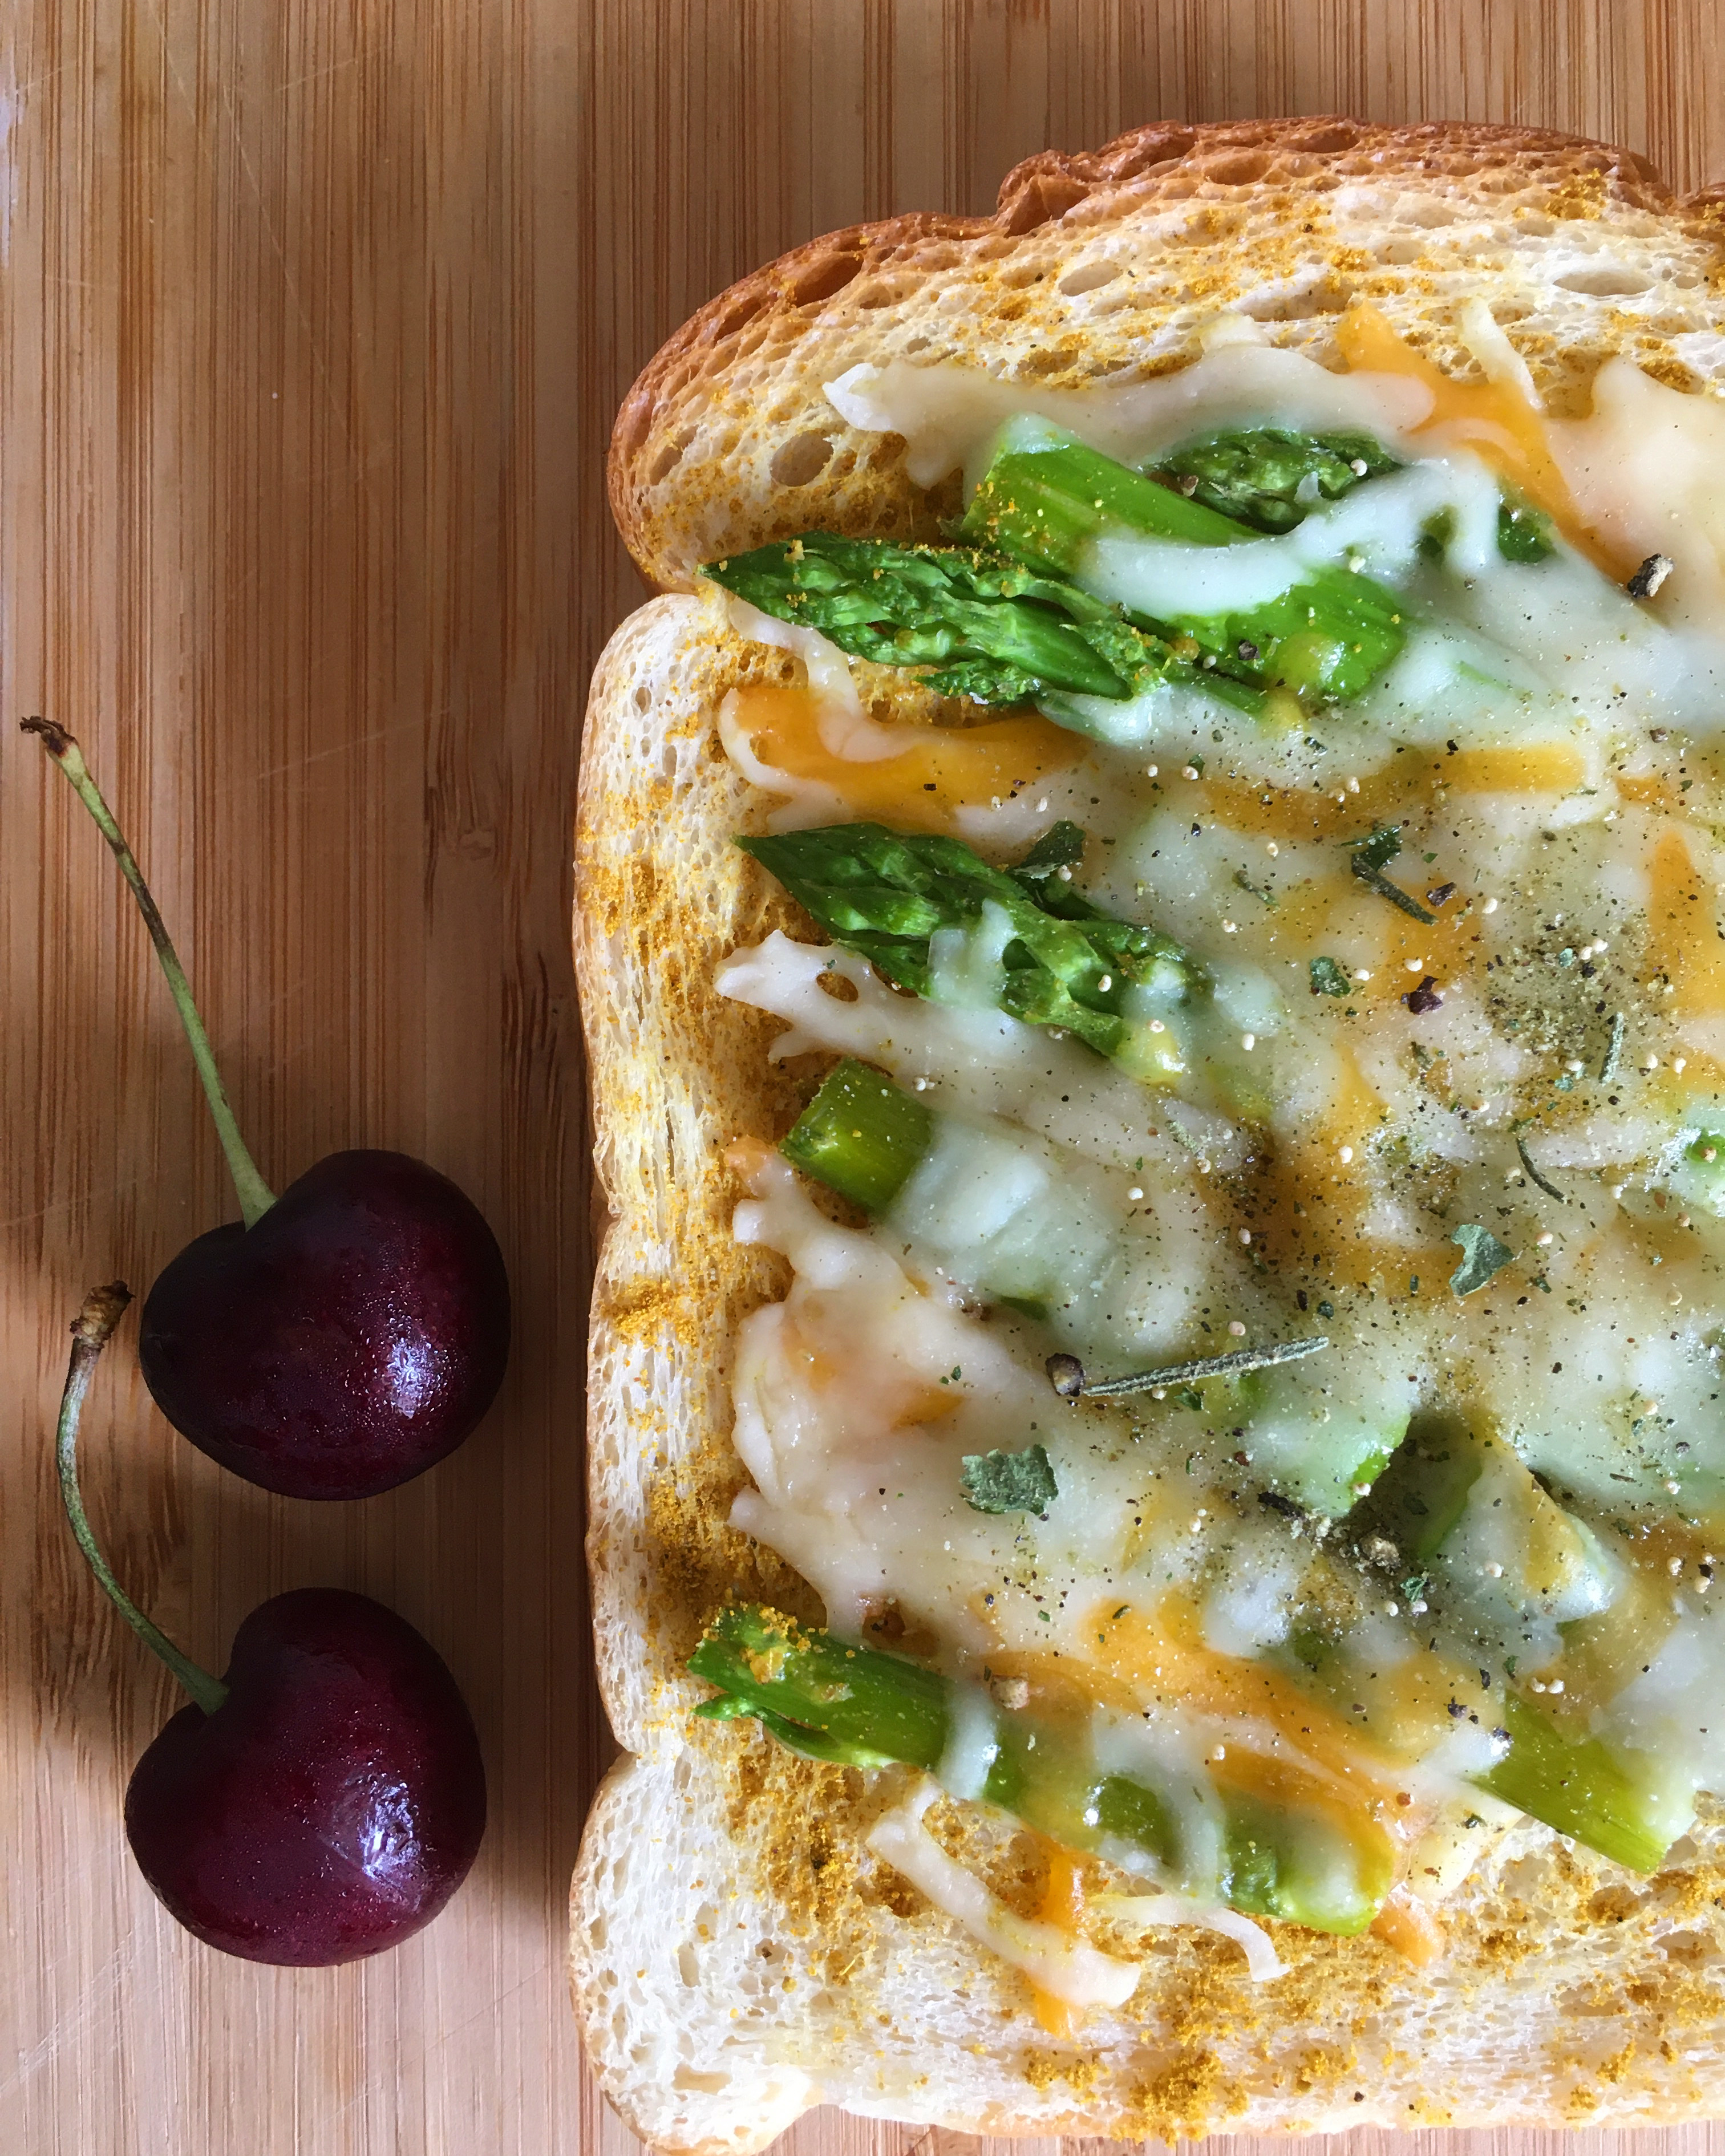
(1272, 477)
(1419, 1499)
(992, 629)
(1044, 498)
(1004, 630)
(858, 1706)
(857, 1698)
(1068, 963)
(1522, 533)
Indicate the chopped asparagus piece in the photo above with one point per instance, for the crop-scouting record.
(1423, 1490)
(1523, 535)
(855, 1697)
(1303, 1867)
(1064, 962)
(1012, 627)
(1697, 1176)
(1576, 1785)
(861, 1136)
(1044, 499)
(859, 1707)
(1432, 1504)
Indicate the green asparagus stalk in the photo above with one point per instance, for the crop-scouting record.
(1045, 498)
(858, 1706)
(1068, 963)
(1522, 533)
(990, 628)
(858, 1699)
(1577, 1786)
(1695, 1171)
(1004, 630)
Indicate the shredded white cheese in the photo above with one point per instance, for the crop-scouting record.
(1066, 1968)
(972, 1745)
(1263, 1963)
(949, 413)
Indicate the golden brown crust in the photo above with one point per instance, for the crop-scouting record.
(733, 1957)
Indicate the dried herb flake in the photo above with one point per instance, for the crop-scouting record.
(1378, 849)
(1008, 1481)
(1483, 1258)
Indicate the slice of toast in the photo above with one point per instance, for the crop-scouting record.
(736, 1955)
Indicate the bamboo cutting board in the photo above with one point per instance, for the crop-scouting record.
(313, 317)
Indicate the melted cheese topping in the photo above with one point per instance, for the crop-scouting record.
(964, 779)
(1544, 1060)
(949, 415)
(814, 744)
(1500, 417)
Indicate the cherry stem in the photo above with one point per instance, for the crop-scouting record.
(103, 1308)
(255, 1195)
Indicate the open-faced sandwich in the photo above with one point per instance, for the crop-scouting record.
(1149, 914)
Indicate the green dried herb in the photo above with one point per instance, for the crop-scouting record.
(1483, 1257)
(1009, 1481)
(1550, 1189)
(1234, 1365)
(1378, 849)
(1370, 856)
(1262, 892)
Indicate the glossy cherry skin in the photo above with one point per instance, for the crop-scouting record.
(331, 1806)
(352, 1336)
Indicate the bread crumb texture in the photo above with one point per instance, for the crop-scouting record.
(736, 1954)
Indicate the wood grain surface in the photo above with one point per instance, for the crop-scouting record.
(313, 317)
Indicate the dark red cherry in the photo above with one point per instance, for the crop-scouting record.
(349, 1332)
(331, 1805)
(354, 1335)
(324, 1799)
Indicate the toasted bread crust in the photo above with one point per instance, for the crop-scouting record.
(734, 1956)
(726, 439)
